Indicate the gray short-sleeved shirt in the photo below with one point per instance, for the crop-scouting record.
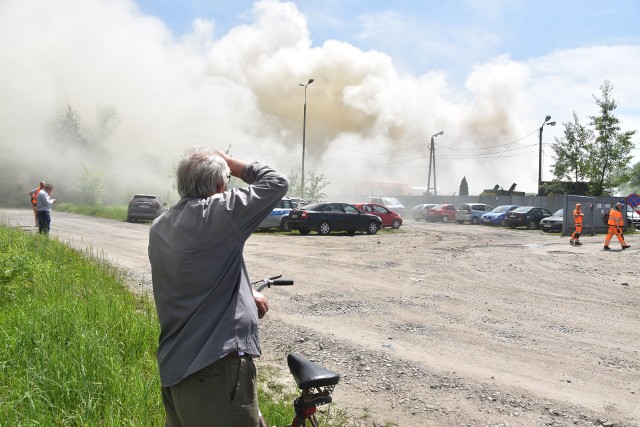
(200, 283)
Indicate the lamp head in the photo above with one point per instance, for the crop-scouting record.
(546, 119)
(310, 81)
(551, 123)
(439, 133)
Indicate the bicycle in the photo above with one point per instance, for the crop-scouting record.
(314, 382)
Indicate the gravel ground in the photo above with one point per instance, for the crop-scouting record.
(437, 324)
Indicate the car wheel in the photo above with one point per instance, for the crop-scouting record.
(546, 230)
(284, 224)
(304, 231)
(532, 224)
(513, 226)
(372, 228)
(474, 220)
(503, 223)
(324, 228)
(445, 219)
(395, 224)
(129, 219)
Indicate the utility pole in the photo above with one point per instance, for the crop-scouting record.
(304, 134)
(432, 161)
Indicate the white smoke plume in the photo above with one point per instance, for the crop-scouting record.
(365, 120)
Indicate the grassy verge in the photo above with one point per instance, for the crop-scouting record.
(77, 348)
(116, 212)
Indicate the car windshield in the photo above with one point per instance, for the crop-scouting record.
(311, 207)
(501, 209)
(523, 209)
(390, 201)
(559, 212)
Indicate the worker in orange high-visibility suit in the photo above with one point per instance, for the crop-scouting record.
(577, 218)
(34, 198)
(616, 222)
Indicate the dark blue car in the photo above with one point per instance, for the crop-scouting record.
(496, 216)
(327, 217)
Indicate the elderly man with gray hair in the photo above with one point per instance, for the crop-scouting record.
(207, 310)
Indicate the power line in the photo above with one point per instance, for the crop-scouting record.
(459, 156)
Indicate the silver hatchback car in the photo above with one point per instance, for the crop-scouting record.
(472, 212)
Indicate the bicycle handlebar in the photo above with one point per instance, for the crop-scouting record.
(271, 281)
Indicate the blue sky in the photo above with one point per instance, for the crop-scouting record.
(435, 34)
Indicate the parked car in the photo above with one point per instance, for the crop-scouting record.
(633, 217)
(279, 216)
(496, 216)
(145, 207)
(526, 216)
(390, 202)
(389, 218)
(553, 222)
(419, 212)
(472, 212)
(442, 212)
(328, 216)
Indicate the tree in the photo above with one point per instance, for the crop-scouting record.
(570, 157)
(611, 148)
(313, 186)
(633, 183)
(90, 185)
(108, 120)
(600, 155)
(464, 187)
(67, 127)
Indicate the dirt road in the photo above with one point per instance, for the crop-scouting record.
(438, 324)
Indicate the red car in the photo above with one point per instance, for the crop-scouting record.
(389, 218)
(442, 212)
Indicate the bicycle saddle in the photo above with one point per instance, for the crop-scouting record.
(309, 375)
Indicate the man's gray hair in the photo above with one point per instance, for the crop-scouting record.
(201, 173)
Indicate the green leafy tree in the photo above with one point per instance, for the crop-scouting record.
(611, 149)
(91, 185)
(633, 183)
(314, 186)
(600, 155)
(570, 156)
(464, 187)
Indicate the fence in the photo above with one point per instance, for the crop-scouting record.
(593, 207)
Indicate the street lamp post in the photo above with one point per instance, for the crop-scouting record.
(304, 133)
(432, 160)
(546, 122)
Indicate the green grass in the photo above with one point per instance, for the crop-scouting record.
(78, 349)
(116, 212)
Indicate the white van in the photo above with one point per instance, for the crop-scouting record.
(390, 203)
